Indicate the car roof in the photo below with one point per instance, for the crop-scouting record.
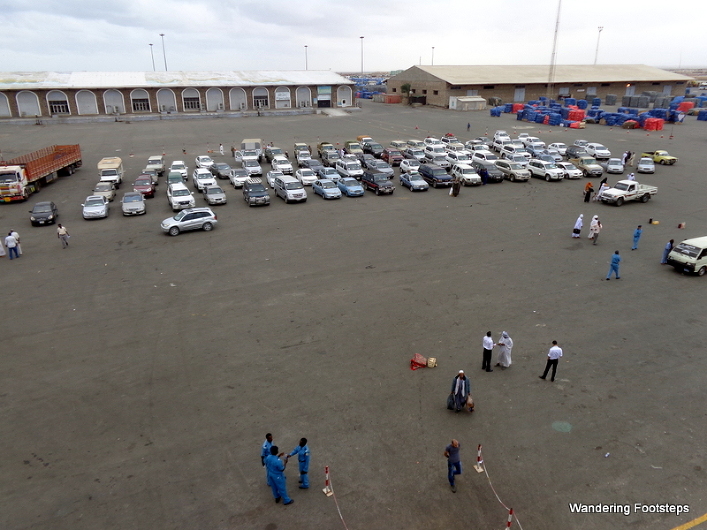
(178, 185)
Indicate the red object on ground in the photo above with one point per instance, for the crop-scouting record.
(574, 125)
(418, 361)
(654, 124)
(546, 119)
(685, 106)
(576, 115)
(517, 107)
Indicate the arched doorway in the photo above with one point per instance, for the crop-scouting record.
(282, 98)
(261, 98)
(4, 107)
(304, 97)
(114, 101)
(191, 99)
(166, 100)
(214, 99)
(239, 101)
(28, 104)
(344, 96)
(140, 100)
(57, 102)
(86, 102)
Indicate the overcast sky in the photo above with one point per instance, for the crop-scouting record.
(206, 35)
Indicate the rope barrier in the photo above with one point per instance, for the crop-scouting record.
(511, 515)
(329, 492)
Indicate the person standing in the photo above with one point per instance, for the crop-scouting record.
(484, 176)
(2, 249)
(302, 452)
(468, 127)
(594, 228)
(578, 226)
(17, 238)
(11, 244)
(614, 267)
(631, 157)
(624, 158)
(63, 234)
(636, 236)
(220, 148)
(666, 251)
(588, 190)
(602, 189)
(454, 463)
(461, 388)
(505, 345)
(456, 186)
(631, 176)
(553, 358)
(276, 476)
(264, 453)
(603, 181)
(488, 348)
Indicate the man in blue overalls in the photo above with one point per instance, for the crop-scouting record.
(615, 260)
(276, 476)
(265, 452)
(302, 452)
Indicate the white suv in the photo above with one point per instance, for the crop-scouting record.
(179, 197)
(202, 177)
(547, 170)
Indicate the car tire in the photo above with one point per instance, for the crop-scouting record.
(662, 162)
(513, 178)
(619, 201)
(702, 271)
(174, 231)
(378, 192)
(207, 227)
(547, 178)
(645, 198)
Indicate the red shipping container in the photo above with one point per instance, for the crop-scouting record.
(686, 106)
(517, 107)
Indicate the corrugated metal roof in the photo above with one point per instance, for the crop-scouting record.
(48, 80)
(526, 74)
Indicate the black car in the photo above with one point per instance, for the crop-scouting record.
(377, 182)
(254, 193)
(575, 151)
(312, 164)
(435, 175)
(373, 148)
(220, 170)
(494, 174)
(43, 213)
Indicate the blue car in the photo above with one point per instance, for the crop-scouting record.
(414, 181)
(327, 189)
(350, 187)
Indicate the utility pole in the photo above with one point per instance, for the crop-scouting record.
(153, 58)
(596, 53)
(306, 65)
(553, 59)
(361, 56)
(164, 54)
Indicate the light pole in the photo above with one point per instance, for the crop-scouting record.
(433, 55)
(361, 55)
(152, 54)
(306, 65)
(164, 54)
(596, 54)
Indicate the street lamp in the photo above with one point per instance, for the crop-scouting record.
(164, 54)
(306, 66)
(596, 54)
(361, 55)
(152, 54)
(433, 55)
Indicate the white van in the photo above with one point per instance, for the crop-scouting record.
(690, 256)
(110, 169)
(289, 189)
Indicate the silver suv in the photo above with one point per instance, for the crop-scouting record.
(190, 219)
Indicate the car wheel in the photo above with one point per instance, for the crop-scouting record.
(513, 178)
(547, 178)
(702, 271)
(174, 231)
(645, 198)
(619, 201)
(378, 192)
(434, 185)
(662, 162)
(208, 227)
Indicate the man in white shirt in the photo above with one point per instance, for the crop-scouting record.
(553, 358)
(11, 244)
(488, 348)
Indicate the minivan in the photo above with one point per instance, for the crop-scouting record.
(690, 256)
(289, 189)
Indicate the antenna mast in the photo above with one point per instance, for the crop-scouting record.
(553, 59)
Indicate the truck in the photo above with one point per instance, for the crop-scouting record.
(660, 157)
(110, 169)
(588, 166)
(628, 190)
(24, 175)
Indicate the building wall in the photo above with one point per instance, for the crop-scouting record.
(152, 95)
(438, 92)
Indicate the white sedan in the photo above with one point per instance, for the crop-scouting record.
(204, 161)
(95, 207)
(409, 165)
(306, 176)
(561, 148)
(570, 170)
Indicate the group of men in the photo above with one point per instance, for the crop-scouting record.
(12, 242)
(271, 459)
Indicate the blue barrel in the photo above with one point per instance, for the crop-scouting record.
(596, 102)
(582, 104)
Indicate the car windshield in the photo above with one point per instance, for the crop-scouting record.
(550, 166)
(222, 167)
(414, 176)
(307, 173)
(333, 155)
(515, 167)
(154, 161)
(646, 161)
(461, 157)
(354, 145)
(599, 147)
(143, 182)
(103, 187)
(293, 186)
(255, 187)
(180, 193)
(569, 166)
(250, 163)
(687, 250)
(133, 198)
(382, 164)
(375, 146)
(240, 173)
(180, 215)
(42, 208)
(275, 151)
(350, 182)
(353, 166)
(178, 166)
(380, 178)
(95, 201)
(249, 154)
(412, 163)
(214, 190)
(393, 152)
(203, 176)
(327, 184)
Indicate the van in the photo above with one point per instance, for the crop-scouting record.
(690, 256)
(289, 189)
(110, 169)
(253, 144)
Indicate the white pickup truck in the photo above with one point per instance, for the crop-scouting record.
(628, 190)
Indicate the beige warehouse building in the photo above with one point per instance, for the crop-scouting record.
(525, 83)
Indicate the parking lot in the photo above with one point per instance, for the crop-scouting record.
(142, 371)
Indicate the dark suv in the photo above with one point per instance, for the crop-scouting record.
(435, 175)
(272, 152)
(373, 148)
(254, 193)
(575, 151)
(377, 181)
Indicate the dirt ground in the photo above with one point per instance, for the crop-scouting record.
(141, 371)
